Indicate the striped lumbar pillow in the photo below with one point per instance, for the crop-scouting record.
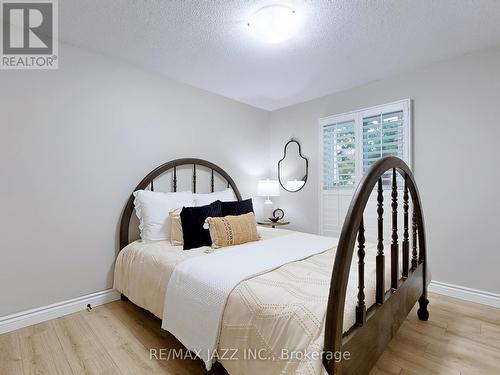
(233, 230)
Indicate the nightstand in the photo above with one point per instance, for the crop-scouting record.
(272, 224)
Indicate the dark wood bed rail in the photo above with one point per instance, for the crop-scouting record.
(376, 325)
(148, 181)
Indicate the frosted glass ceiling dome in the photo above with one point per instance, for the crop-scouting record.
(274, 23)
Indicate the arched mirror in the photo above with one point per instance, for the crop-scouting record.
(293, 167)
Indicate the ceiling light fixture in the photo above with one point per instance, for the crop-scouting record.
(274, 23)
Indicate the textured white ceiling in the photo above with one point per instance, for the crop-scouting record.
(342, 44)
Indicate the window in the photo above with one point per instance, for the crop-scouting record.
(350, 144)
(353, 141)
(383, 135)
(339, 143)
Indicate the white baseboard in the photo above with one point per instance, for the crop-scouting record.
(467, 294)
(41, 314)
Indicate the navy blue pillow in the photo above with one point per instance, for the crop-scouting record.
(237, 207)
(192, 219)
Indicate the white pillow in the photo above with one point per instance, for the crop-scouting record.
(226, 195)
(152, 209)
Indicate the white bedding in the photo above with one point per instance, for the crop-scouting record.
(283, 308)
(143, 269)
(199, 287)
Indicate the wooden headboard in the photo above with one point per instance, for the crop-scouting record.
(173, 165)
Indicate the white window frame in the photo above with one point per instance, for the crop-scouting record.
(357, 116)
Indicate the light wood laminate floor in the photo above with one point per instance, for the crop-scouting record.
(459, 338)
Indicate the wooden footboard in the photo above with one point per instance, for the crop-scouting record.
(357, 351)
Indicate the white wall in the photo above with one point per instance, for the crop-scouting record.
(456, 159)
(73, 145)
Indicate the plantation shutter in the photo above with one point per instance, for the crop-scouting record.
(350, 143)
(383, 135)
(339, 158)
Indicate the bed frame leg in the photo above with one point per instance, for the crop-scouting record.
(422, 312)
(123, 297)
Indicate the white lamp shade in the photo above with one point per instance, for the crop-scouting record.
(268, 188)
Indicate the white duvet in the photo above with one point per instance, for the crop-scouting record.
(284, 308)
(199, 287)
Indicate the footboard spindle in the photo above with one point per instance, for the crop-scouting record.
(380, 287)
(414, 259)
(394, 245)
(361, 307)
(406, 243)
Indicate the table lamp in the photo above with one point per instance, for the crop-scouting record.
(268, 188)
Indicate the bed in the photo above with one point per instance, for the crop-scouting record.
(302, 315)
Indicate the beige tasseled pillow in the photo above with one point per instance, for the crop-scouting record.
(232, 230)
(176, 234)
